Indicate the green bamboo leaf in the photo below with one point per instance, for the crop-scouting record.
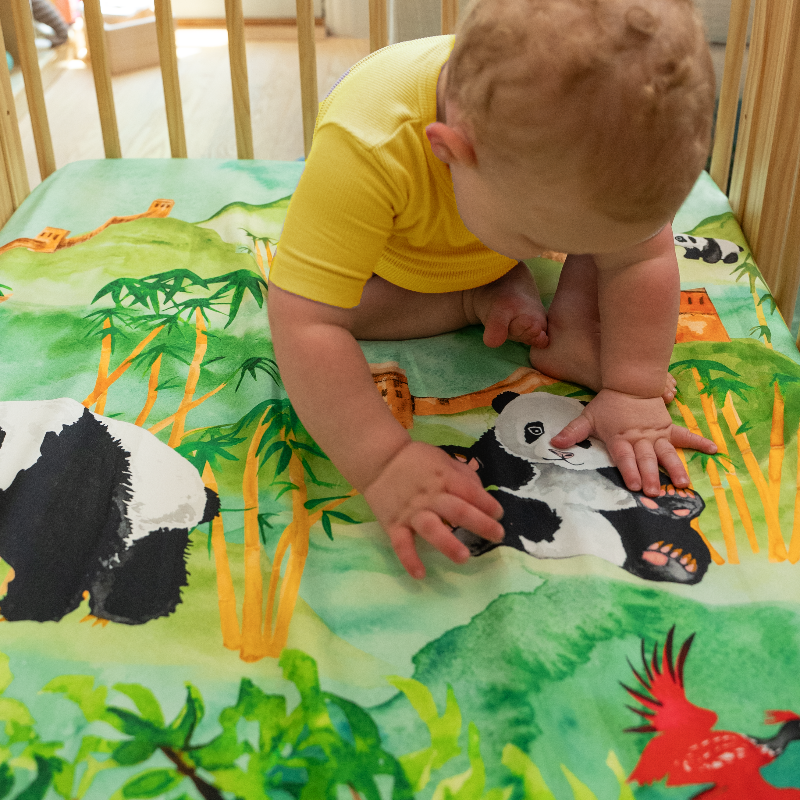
(613, 763)
(5, 673)
(341, 516)
(80, 689)
(468, 785)
(444, 731)
(189, 717)
(521, 765)
(133, 725)
(285, 458)
(287, 487)
(580, 790)
(326, 526)
(6, 775)
(152, 783)
(37, 789)
(318, 501)
(144, 700)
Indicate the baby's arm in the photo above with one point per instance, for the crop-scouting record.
(638, 298)
(410, 486)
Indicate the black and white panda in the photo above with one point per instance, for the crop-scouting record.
(92, 504)
(563, 503)
(709, 250)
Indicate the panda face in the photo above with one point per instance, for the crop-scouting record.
(528, 423)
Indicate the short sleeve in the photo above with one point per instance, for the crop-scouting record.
(338, 222)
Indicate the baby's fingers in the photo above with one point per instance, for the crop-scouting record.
(672, 463)
(402, 539)
(461, 514)
(576, 431)
(681, 437)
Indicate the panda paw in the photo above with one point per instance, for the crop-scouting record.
(672, 559)
(97, 620)
(673, 502)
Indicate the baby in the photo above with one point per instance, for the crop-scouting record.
(577, 126)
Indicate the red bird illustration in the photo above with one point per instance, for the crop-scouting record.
(686, 750)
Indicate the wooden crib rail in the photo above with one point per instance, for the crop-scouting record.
(762, 183)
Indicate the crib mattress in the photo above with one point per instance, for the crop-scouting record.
(195, 603)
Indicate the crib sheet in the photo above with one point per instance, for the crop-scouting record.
(195, 604)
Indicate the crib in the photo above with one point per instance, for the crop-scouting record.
(194, 603)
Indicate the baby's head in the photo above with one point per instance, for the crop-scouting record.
(609, 100)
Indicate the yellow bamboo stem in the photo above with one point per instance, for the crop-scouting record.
(253, 645)
(226, 594)
(762, 320)
(101, 387)
(290, 587)
(794, 544)
(200, 346)
(185, 410)
(776, 547)
(723, 508)
(102, 370)
(776, 448)
(695, 523)
(152, 392)
(711, 414)
(8, 578)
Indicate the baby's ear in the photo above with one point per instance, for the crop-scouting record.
(450, 145)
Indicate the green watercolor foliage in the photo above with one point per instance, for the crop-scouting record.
(308, 752)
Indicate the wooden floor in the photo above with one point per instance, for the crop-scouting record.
(204, 71)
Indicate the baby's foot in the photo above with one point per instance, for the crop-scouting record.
(510, 308)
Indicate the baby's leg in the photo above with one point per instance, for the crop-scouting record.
(573, 325)
(387, 311)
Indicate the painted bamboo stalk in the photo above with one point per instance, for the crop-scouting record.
(712, 416)
(226, 594)
(184, 410)
(253, 646)
(776, 547)
(201, 344)
(152, 392)
(776, 448)
(794, 544)
(725, 516)
(298, 543)
(99, 394)
(101, 387)
(695, 523)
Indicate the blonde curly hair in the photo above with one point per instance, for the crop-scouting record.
(616, 93)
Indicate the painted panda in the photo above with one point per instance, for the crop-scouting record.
(710, 250)
(89, 503)
(563, 503)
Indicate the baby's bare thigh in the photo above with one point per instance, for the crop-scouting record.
(387, 311)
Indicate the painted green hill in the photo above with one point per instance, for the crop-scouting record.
(72, 276)
(240, 223)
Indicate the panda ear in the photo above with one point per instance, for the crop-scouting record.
(502, 400)
(584, 402)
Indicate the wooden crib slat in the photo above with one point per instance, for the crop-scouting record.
(378, 25)
(241, 88)
(14, 187)
(29, 61)
(449, 16)
(165, 31)
(308, 69)
(778, 246)
(759, 111)
(729, 93)
(101, 71)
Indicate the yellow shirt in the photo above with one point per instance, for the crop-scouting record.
(373, 198)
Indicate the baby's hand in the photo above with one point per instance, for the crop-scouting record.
(423, 492)
(639, 434)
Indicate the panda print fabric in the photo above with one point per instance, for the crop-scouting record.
(92, 504)
(563, 503)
